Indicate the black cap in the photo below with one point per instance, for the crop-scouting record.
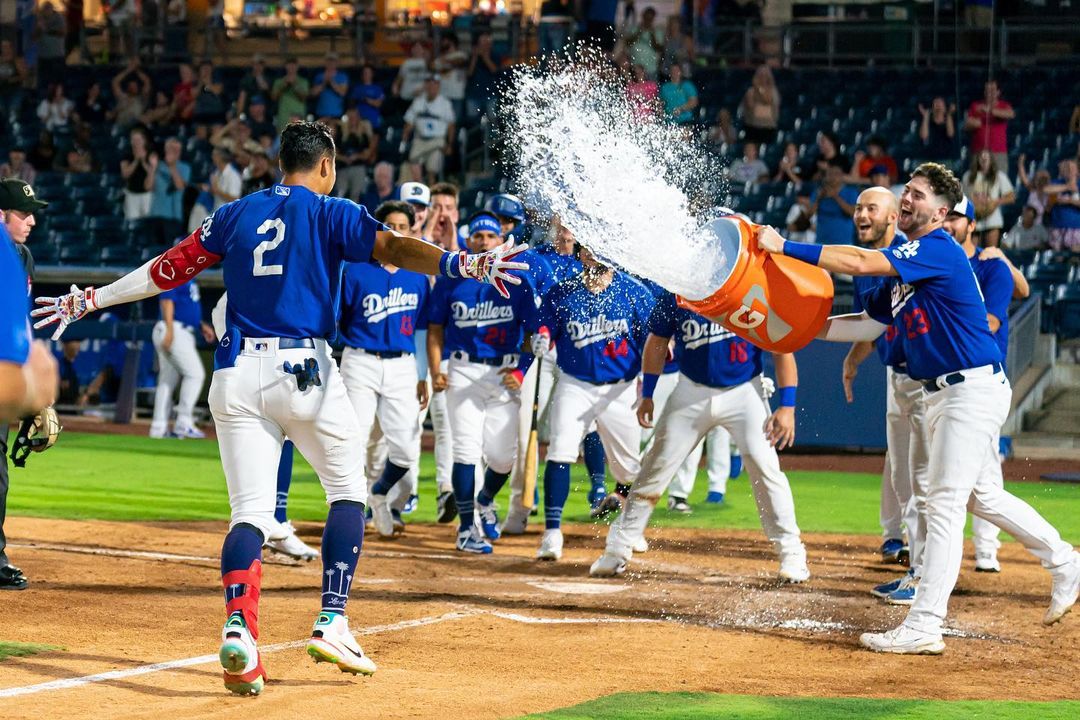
(16, 194)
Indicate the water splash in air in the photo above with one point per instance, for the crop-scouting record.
(635, 190)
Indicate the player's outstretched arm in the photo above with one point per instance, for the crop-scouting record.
(493, 267)
(855, 327)
(172, 268)
(653, 357)
(859, 351)
(846, 259)
(434, 353)
(780, 425)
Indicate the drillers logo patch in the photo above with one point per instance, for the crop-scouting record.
(281, 190)
(29, 191)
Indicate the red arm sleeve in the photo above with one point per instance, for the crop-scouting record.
(182, 262)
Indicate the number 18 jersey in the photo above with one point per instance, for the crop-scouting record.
(283, 251)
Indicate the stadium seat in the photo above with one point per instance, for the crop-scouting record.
(118, 255)
(1067, 310)
(75, 253)
(66, 222)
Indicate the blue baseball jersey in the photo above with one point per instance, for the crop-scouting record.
(936, 298)
(888, 346)
(382, 310)
(548, 268)
(187, 306)
(283, 252)
(997, 285)
(14, 305)
(598, 337)
(658, 291)
(478, 320)
(707, 352)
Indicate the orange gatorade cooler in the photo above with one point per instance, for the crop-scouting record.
(775, 302)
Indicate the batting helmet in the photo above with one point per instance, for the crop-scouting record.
(505, 205)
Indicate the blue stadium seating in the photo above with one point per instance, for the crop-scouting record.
(1067, 310)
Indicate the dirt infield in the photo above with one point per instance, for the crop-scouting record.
(500, 636)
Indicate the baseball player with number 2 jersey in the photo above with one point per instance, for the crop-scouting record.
(719, 383)
(949, 348)
(282, 250)
(597, 324)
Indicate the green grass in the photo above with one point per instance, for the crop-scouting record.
(117, 477)
(708, 706)
(18, 649)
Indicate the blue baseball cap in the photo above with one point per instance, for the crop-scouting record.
(965, 207)
(484, 221)
(508, 206)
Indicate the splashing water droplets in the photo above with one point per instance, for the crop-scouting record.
(637, 191)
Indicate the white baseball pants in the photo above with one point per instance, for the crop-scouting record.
(908, 438)
(964, 422)
(256, 404)
(484, 415)
(665, 385)
(693, 410)
(545, 372)
(577, 405)
(179, 364)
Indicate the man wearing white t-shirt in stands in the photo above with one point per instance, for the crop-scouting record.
(429, 121)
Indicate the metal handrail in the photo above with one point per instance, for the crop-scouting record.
(1024, 325)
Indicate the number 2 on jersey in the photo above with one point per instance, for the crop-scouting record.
(278, 227)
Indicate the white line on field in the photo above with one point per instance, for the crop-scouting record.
(172, 557)
(68, 683)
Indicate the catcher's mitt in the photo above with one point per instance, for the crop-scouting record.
(37, 434)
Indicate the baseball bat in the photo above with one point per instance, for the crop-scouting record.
(532, 450)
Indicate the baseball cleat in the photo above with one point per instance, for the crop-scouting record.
(893, 550)
(793, 568)
(987, 562)
(1065, 591)
(736, 467)
(608, 565)
(551, 545)
(12, 578)
(905, 593)
(287, 543)
(411, 504)
(641, 545)
(399, 522)
(239, 657)
(332, 642)
(381, 516)
(715, 498)
(597, 493)
(885, 589)
(472, 541)
(903, 641)
(517, 519)
(611, 504)
(679, 505)
(447, 507)
(157, 433)
(489, 520)
(189, 432)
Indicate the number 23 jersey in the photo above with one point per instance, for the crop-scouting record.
(283, 251)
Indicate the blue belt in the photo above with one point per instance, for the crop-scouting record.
(931, 386)
(498, 361)
(384, 354)
(288, 343)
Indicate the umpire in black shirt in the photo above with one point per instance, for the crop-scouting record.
(17, 207)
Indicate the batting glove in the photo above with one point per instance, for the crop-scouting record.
(768, 387)
(541, 343)
(493, 267)
(64, 310)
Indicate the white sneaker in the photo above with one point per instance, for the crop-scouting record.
(286, 542)
(1065, 591)
(641, 546)
(793, 567)
(157, 433)
(551, 545)
(987, 562)
(608, 565)
(381, 516)
(903, 641)
(189, 432)
(331, 641)
(516, 521)
(239, 657)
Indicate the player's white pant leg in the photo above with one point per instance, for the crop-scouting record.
(985, 536)
(718, 462)
(501, 425)
(398, 410)
(895, 481)
(665, 385)
(743, 412)
(167, 379)
(574, 406)
(619, 430)
(686, 419)
(683, 482)
(910, 480)
(549, 377)
(524, 423)
(484, 415)
(444, 438)
(255, 403)
(964, 421)
(362, 376)
(183, 357)
(994, 507)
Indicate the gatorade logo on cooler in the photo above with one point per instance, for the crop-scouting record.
(754, 312)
